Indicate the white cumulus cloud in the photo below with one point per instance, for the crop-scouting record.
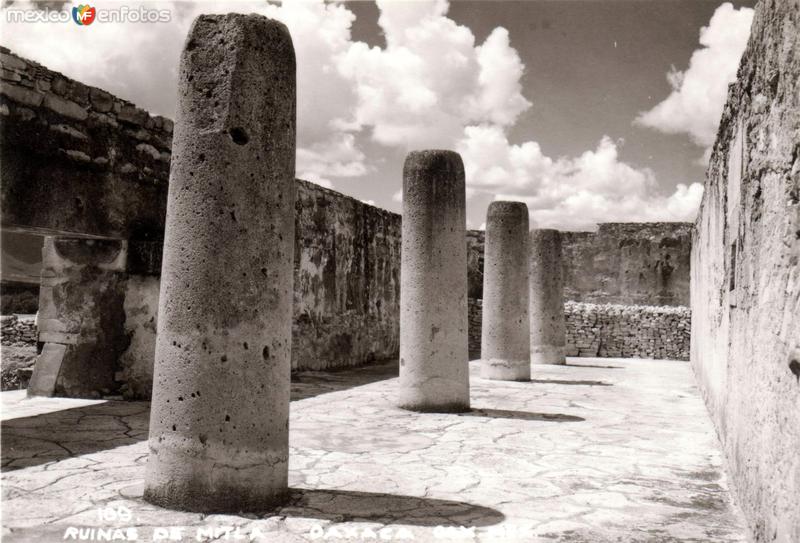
(433, 85)
(431, 79)
(571, 193)
(694, 106)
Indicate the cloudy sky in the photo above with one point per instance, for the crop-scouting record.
(589, 111)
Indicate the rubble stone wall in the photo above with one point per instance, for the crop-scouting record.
(746, 277)
(628, 331)
(18, 330)
(613, 330)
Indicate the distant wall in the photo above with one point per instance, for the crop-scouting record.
(621, 263)
(746, 277)
(628, 331)
(347, 281)
(629, 263)
(612, 330)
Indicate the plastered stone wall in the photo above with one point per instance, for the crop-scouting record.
(621, 263)
(628, 263)
(141, 314)
(612, 330)
(746, 277)
(347, 281)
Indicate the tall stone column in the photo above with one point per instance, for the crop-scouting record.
(505, 337)
(434, 372)
(220, 413)
(548, 329)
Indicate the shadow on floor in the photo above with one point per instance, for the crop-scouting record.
(48, 437)
(347, 506)
(593, 366)
(563, 382)
(307, 384)
(521, 415)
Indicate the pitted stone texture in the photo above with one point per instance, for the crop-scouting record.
(219, 424)
(433, 291)
(548, 330)
(505, 340)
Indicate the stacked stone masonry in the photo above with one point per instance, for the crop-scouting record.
(627, 331)
(613, 330)
(18, 331)
(77, 159)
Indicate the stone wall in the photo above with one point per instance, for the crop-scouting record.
(628, 331)
(613, 330)
(629, 263)
(746, 277)
(475, 313)
(76, 159)
(18, 351)
(621, 263)
(18, 330)
(347, 281)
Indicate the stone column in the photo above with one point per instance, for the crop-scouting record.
(220, 412)
(548, 329)
(434, 371)
(505, 338)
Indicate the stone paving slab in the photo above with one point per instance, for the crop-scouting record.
(598, 450)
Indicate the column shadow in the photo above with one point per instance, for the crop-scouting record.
(521, 415)
(308, 384)
(593, 366)
(565, 382)
(47, 437)
(355, 506)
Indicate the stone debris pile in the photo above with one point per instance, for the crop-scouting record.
(612, 331)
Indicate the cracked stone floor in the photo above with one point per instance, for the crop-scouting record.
(597, 450)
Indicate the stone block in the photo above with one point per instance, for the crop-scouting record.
(67, 108)
(21, 95)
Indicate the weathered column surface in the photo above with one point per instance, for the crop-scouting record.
(548, 329)
(220, 411)
(434, 373)
(505, 335)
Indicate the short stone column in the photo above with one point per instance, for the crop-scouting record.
(548, 328)
(505, 337)
(434, 371)
(219, 423)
